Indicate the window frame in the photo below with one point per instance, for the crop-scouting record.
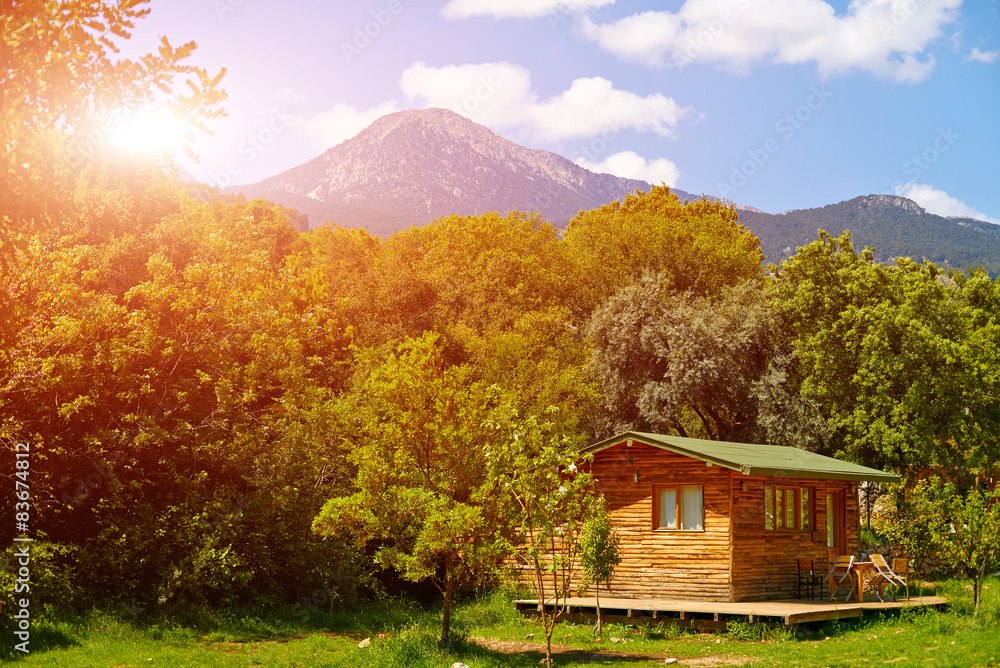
(678, 508)
(778, 520)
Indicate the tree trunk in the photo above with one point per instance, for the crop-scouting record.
(449, 590)
(868, 506)
(555, 604)
(977, 585)
(597, 594)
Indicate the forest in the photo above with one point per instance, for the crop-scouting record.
(889, 225)
(197, 378)
(223, 409)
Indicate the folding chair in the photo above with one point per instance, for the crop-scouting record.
(810, 578)
(842, 570)
(901, 568)
(883, 576)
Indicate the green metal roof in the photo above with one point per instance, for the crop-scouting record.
(752, 459)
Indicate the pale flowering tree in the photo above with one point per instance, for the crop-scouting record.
(553, 499)
(964, 526)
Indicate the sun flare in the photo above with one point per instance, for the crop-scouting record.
(147, 132)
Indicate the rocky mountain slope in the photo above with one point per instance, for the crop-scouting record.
(417, 165)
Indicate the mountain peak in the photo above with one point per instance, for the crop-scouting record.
(420, 164)
(437, 116)
(890, 200)
(892, 226)
(433, 119)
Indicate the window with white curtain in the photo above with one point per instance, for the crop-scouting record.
(691, 508)
(679, 508)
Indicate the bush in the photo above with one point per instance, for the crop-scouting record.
(871, 537)
(54, 579)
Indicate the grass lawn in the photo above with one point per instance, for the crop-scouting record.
(490, 634)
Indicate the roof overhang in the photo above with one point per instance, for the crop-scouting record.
(752, 459)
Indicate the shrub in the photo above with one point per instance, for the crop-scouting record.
(54, 578)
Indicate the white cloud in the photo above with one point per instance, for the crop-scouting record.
(631, 165)
(941, 203)
(982, 56)
(289, 95)
(956, 40)
(486, 93)
(344, 121)
(463, 9)
(499, 95)
(593, 106)
(887, 38)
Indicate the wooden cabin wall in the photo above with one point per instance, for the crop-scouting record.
(658, 563)
(765, 563)
(734, 560)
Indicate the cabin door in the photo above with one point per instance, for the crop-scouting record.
(836, 530)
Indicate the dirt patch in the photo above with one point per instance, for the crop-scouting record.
(586, 655)
(717, 660)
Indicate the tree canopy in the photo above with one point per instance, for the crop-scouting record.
(902, 359)
(694, 246)
(424, 440)
(676, 363)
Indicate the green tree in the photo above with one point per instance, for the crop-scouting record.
(171, 369)
(541, 360)
(467, 277)
(963, 524)
(599, 552)
(495, 288)
(902, 361)
(676, 362)
(424, 495)
(901, 523)
(695, 247)
(488, 270)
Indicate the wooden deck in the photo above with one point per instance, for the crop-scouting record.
(712, 615)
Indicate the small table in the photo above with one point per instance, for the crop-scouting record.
(860, 568)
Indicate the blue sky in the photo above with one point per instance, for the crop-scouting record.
(778, 104)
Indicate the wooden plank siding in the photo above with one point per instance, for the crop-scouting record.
(765, 562)
(662, 563)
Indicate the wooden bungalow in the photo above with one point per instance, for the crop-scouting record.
(718, 521)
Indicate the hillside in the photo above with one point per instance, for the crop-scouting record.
(893, 226)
